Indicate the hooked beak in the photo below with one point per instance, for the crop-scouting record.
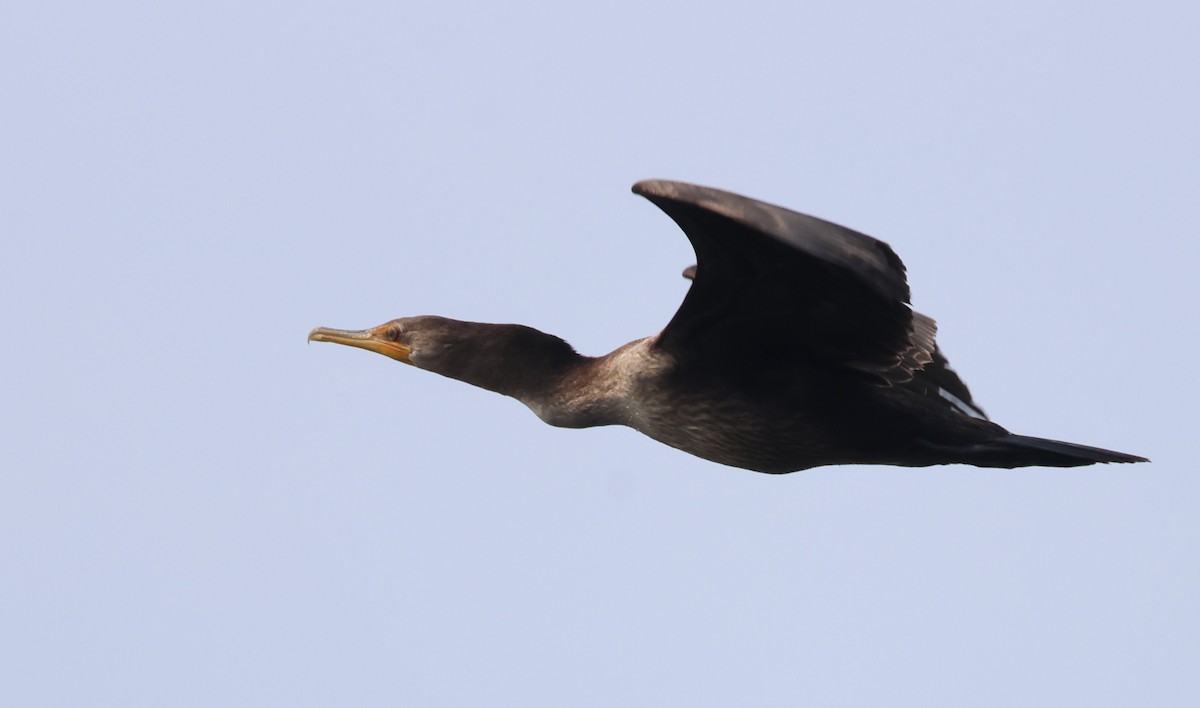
(374, 339)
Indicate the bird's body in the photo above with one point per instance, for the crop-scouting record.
(765, 426)
(794, 348)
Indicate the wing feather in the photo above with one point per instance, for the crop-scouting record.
(774, 285)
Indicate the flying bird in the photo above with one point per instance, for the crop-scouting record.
(795, 347)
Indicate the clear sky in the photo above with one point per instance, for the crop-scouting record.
(197, 509)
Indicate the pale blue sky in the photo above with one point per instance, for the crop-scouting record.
(197, 509)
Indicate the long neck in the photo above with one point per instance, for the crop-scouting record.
(530, 374)
(542, 371)
(513, 360)
(592, 391)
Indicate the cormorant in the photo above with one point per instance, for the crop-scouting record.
(795, 347)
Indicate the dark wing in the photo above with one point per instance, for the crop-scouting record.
(939, 383)
(773, 287)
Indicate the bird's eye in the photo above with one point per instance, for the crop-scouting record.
(393, 333)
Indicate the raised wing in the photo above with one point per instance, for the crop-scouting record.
(773, 287)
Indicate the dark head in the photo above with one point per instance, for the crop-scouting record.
(511, 359)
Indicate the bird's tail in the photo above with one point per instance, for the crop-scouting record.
(1024, 451)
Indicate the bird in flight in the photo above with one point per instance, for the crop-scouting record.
(795, 347)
